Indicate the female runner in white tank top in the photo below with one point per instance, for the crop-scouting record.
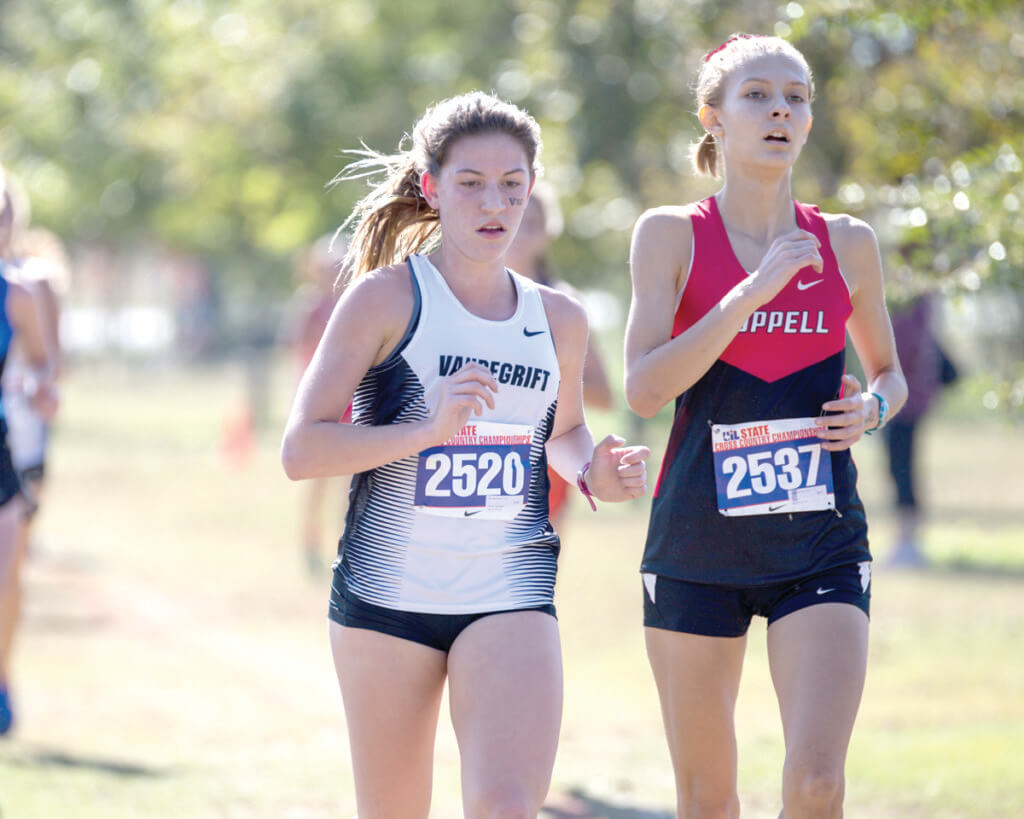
(465, 381)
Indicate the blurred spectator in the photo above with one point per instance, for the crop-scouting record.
(196, 307)
(528, 255)
(927, 369)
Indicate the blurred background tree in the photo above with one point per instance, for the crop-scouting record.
(211, 128)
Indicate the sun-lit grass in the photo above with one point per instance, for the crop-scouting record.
(174, 660)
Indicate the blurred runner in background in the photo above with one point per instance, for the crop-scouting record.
(528, 254)
(928, 369)
(319, 283)
(27, 332)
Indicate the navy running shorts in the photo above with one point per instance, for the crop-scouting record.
(432, 630)
(9, 483)
(726, 611)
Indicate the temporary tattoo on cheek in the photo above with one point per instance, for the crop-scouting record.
(514, 201)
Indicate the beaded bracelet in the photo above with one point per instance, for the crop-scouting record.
(581, 484)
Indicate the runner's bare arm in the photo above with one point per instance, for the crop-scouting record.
(571, 443)
(365, 327)
(658, 367)
(616, 472)
(870, 330)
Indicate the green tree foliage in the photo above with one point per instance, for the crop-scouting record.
(213, 126)
(926, 106)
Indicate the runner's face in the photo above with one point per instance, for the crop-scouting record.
(481, 194)
(765, 113)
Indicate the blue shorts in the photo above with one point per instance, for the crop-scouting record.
(432, 630)
(726, 611)
(9, 483)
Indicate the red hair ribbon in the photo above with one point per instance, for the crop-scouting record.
(714, 51)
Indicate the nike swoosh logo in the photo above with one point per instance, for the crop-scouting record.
(530, 333)
(469, 512)
(806, 285)
(824, 591)
(776, 507)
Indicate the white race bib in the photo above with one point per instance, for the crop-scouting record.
(483, 471)
(771, 467)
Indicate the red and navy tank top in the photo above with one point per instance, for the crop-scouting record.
(785, 362)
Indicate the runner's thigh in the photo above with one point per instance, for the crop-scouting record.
(818, 659)
(505, 691)
(392, 690)
(698, 681)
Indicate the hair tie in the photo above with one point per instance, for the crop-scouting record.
(714, 51)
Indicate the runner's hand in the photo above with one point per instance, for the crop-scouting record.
(45, 401)
(462, 394)
(855, 414)
(787, 255)
(42, 395)
(617, 472)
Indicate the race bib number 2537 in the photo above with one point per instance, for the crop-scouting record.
(771, 467)
(484, 471)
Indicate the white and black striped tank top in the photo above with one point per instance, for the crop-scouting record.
(461, 527)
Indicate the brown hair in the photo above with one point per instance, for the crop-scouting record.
(394, 219)
(718, 65)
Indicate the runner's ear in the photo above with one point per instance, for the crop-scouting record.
(428, 184)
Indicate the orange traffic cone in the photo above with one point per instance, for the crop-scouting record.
(236, 438)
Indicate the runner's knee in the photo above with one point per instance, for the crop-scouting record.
(711, 808)
(812, 790)
(502, 800)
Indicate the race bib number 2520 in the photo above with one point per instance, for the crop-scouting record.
(771, 467)
(484, 471)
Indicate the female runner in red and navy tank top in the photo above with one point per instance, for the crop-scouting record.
(741, 306)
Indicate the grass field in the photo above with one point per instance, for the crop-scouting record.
(174, 660)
